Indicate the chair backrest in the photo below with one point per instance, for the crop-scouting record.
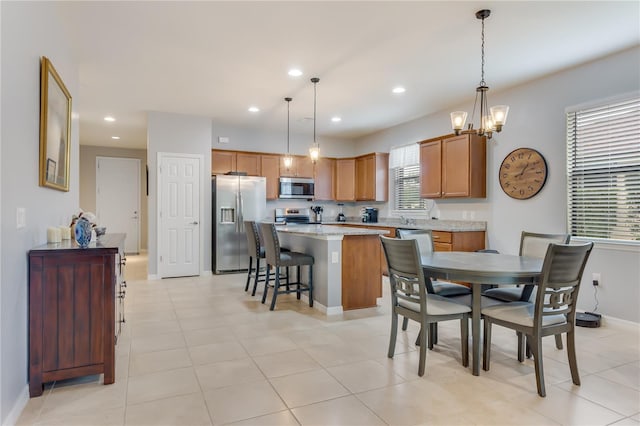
(560, 281)
(535, 245)
(271, 243)
(424, 237)
(405, 271)
(253, 238)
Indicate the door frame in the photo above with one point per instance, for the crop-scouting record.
(160, 158)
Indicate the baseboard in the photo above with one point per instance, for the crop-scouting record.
(152, 277)
(334, 310)
(18, 407)
(619, 322)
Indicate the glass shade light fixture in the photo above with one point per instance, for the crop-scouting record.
(491, 119)
(288, 160)
(314, 151)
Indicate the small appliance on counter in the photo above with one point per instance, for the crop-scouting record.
(369, 214)
(318, 212)
(341, 217)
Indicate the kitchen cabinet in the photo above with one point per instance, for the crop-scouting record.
(301, 167)
(222, 162)
(458, 241)
(345, 179)
(453, 167)
(270, 169)
(248, 162)
(73, 315)
(372, 177)
(324, 172)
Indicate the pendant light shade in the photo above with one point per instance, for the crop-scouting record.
(288, 160)
(314, 150)
(490, 119)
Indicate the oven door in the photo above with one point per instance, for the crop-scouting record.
(296, 188)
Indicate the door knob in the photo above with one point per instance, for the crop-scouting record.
(194, 223)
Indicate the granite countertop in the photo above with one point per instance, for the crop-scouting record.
(326, 230)
(433, 224)
(107, 241)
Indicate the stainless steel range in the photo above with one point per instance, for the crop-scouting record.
(293, 216)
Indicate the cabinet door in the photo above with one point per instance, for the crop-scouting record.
(431, 169)
(455, 167)
(304, 166)
(248, 163)
(270, 168)
(345, 179)
(365, 178)
(324, 172)
(222, 162)
(289, 171)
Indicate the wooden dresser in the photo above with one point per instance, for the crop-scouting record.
(75, 301)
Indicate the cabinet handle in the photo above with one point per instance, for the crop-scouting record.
(435, 237)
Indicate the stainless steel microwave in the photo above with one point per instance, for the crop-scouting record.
(296, 188)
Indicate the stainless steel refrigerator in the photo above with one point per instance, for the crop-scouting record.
(235, 199)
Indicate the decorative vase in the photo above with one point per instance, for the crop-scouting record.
(83, 232)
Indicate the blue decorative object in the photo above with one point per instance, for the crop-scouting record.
(83, 232)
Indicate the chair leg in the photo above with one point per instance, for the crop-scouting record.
(311, 287)
(392, 337)
(464, 337)
(521, 344)
(486, 345)
(431, 335)
(571, 353)
(276, 284)
(266, 283)
(423, 349)
(434, 329)
(246, 286)
(536, 348)
(527, 347)
(558, 341)
(287, 277)
(298, 283)
(255, 281)
(405, 321)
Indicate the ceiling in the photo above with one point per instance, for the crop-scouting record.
(215, 59)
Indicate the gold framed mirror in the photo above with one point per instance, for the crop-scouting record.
(55, 128)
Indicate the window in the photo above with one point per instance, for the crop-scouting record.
(603, 171)
(404, 163)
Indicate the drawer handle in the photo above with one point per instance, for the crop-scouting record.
(436, 237)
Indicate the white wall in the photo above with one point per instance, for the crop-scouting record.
(29, 31)
(185, 134)
(537, 120)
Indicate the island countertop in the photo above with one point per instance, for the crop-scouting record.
(328, 231)
(433, 224)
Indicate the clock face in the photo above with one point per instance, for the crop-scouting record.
(523, 173)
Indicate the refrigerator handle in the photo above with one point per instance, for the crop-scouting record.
(241, 220)
(237, 218)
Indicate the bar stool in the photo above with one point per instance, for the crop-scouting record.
(278, 259)
(256, 251)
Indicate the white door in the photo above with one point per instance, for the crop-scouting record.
(118, 198)
(179, 215)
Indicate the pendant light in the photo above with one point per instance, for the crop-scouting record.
(314, 151)
(490, 119)
(288, 160)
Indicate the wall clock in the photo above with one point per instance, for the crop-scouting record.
(523, 173)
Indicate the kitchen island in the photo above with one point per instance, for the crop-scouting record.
(346, 274)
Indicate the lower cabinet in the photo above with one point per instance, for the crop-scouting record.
(73, 323)
(458, 241)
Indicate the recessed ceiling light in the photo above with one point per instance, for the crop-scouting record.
(294, 72)
(398, 89)
(109, 118)
(115, 137)
(336, 119)
(254, 109)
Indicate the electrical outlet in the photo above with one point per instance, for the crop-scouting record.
(596, 278)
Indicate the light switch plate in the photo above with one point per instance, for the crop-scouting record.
(334, 257)
(21, 218)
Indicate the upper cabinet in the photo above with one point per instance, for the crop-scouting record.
(324, 172)
(345, 179)
(301, 167)
(270, 168)
(453, 167)
(248, 162)
(231, 161)
(372, 177)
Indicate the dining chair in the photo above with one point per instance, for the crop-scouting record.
(424, 238)
(553, 311)
(278, 259)
(532, 245)
(256, 252)
(409, 298)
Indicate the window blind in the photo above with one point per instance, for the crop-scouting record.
(603, 171)
(404, 163)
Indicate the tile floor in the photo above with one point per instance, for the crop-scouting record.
(200, 351)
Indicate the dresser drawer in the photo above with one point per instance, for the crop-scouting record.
(441, 237)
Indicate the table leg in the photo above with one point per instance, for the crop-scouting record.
(476, 297)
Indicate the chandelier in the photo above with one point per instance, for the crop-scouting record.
(490, 119)
(288, 160)
(314, 151)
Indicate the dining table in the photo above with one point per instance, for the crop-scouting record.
(478, 269)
